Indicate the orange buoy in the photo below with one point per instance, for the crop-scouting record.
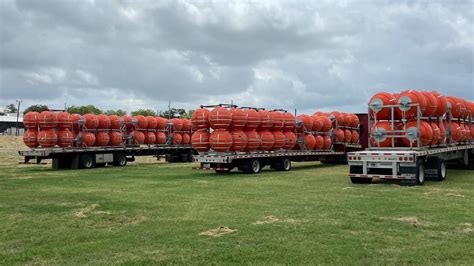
(347, 136)
(220, 140)
(380, 136)
(354, 136)
(177, 138)
(377, 101)
(310, 141)
(115, 138)
(339, 117)
(30, 120)
(472, 132)
(436, 134)
(278, 140)
(327, 142)
(220, 118)
(307, 122)
(186, 138)
(464, 132)
(425, 132)
(102, 138)
(347, 119)
(317, 123)
(47, 138)
(142, 122)
(199, 140)
(200, 118)
(91, 121)
(456, 108)
(340, 135)
(115, 122)
(431, 103)
(290, 140)
(442, 133)
(161, 123)
(267, 140)
(290, 121)
(239, 118)
(138, 137)
(87, 138)
(151, 122)
(30, 138)
(442, 104)
(278, 120)
(160, 137)
(177, 123)
(150, 138)
(470, 109)
(253, 140)
(327, 125)
(239, 140)
(76, 121)
(409, 97)
(47, 119)
(104, 121)
(456, 132)
(318, 142)
(187, 125)
(355, 120)
(266, 121)
(253, 119)
(65, 138)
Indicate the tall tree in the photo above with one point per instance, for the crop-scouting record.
(144, 112)
(11, 108)
(36, 108)
(174, 112)
(118, 112)
(84, 109)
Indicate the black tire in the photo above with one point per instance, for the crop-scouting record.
(420, 172)
(285, 164)
(360, 180)
(87, 161)
(120, 160)
(253, 166)
(436, 167)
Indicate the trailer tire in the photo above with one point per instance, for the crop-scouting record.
(87, 161)
(120, 160)
(361, 180)
(253, 166)
(420, 172)
(437, 169)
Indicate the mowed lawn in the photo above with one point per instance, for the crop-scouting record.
(165, 213)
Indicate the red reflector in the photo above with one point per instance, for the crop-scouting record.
(358, 158)
(400, 158)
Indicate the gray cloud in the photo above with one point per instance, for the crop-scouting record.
(290, 54)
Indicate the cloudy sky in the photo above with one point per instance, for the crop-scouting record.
(309, 55)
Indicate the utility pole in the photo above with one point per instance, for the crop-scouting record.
(17, 131)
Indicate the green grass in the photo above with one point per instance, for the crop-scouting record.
(155, 214)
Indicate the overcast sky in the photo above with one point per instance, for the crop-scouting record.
(309, 55)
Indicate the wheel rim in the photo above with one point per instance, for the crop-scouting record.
(255, 166)
(122, 160)
(286, 164)
(421, 174)
(443, 170)
(88, 163)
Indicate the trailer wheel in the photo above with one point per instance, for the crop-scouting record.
(286, 164)
(87, 162)
(253, 166)
(120, 160)
(436, 169)
(420, 172)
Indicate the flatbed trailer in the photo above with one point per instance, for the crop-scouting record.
(253, 162)
(89, 157)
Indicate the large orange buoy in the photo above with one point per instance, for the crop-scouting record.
(220, 140)
(339, 135)
(431, 103)
(187, 125)
(377, 101)
(115, 138)
(456, 108)
(65, 138)
(309, 141)
(177, 123)
(278, 140)
(138, 137)
(239, 118)
(87, 138)
(75, 120)
(160, 137)
(177, 138)
(442, 133)
(464, 110)
(199, 140)
(470, 109)
(442, 104)
(327, 125)
(456, 132)
(161, 123)
(30, 138)
(253, 119)
(267, 140)
(130, 122)
(409, 97)
(91, 121)
(186, 138)
(150, 138)
(102, 138)
(30, 120)
(347, 119)
(142, 122)
(266, 121)
(318, 142)
(278, 120)
(317, 123)
(339, 118)
(220, 118)
(239, 140)
(327, 142)
(104, 121)
(200, 118)
(347, 136)
(115, 122)
(47, 119)
(290, 121)
(290, 140)
(253, 140)
(425, 132)
(472, 132)
(307, 122)
(354, 136)
(355, 120)
(464, 132)
(380, 136)
(436, 134)
(151, 122)
(47, 138)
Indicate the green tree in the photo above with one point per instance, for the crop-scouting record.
(174, 112)
(144, 112)
(11, 108)
(118, 112)
(84, 109)
(36, 108)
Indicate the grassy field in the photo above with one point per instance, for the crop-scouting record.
(169, 213)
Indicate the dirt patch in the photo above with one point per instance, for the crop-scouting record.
(83, 212)
(454, 195)
(467, 228)
(272, 219)
(408, 219)
(346, 188)
(218, 232)
(23, 177)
